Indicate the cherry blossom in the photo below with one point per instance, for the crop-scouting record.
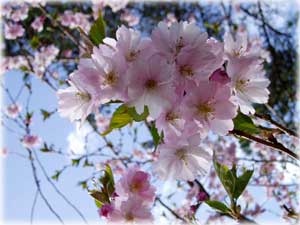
(81, 98)
(130, 18)
(150, 85)
(13, 31)
(38, 23)
(170, 41)
(131, 44)
(182, 160)
(248, 82)
(111, 67)
(31, 141)
(209, 105)
(136, 182)
(13, 110)
(20, 13)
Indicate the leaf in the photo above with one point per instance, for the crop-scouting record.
(120, 118)
(83, 184)
(98, 204)
(242, 182)
(97, 32)
(225, 177)
(245, 123)
(45, 148)
(218, 206)
(56, 175)
(75, 162)
(138, 117)
(45, 114)
(99, 196)
(34, 42)
(107, 181)
(156, 137)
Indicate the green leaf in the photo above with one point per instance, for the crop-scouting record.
(221, 207)
(75, 162)
(245, 123)
(45, 148)
(98, 204)
(138, 117)
(156, 137)
(56, 175)
(97, 32)
(99, 196)
(83, 184)
(45, 114)
(34, 42)
(226, 177)
(242, 183)
(120, 118)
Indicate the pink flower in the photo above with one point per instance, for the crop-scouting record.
(13, 110)
(130, 18)
(150, 84)
(31, 141)
(21, 13)
(182, 160)
(38, 23)
(170, 41)
(102, 122)
(170, 121)
(209, 105)
(136, 182)
(133, 210)
(111, 67)
(248, 82)
(131, 45)
(13, 31)
(82, 97)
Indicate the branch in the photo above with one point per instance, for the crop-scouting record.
(276, 145)
(170, 210)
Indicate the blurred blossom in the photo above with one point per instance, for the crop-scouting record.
(171, 18)
(13, 110)
(20, 13)
(102, 122)
(130, 18)
(13, 31)
(14, 62)
(3, 152)
(31, 141)
(67, 53)
(38, 23)
(74, 20)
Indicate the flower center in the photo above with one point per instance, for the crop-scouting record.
(150, 84)
(111, 78)
(241, 84)
(171, 116)
(83, 96)
(135, 186)
(129, 216)
(132, 55)
(180, 153)
(205, 109)
(186, 71)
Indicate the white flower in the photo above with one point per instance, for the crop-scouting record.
(248, 82)
(182, 160)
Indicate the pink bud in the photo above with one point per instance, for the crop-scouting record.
(202, 196)
(220, 76)
(105, 210)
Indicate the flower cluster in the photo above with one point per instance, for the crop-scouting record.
(190, 83)
(133, 198)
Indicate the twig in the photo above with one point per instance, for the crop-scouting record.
(277, 145)
(37, 182)
(170, 210)
(57, 190)
(33, 206)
